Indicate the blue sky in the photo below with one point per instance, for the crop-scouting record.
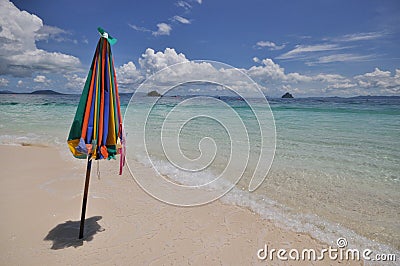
(310, 48)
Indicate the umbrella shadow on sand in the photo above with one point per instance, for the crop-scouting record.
(66, 234)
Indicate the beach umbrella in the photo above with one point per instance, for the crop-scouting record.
(96, 132)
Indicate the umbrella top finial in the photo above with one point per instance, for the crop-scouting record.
(104, 34)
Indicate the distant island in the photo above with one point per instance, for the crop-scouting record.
(38, 92)
(7, 92)
(287, 95)
(47, 92)
(153, 94)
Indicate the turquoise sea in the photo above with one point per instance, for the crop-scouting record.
(336, 170)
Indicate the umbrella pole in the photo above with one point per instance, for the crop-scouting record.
(85, 193)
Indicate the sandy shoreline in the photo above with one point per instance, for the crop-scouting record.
(40, 202)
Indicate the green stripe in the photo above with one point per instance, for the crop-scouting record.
(76, 128)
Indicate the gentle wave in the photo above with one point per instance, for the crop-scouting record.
(279, 214)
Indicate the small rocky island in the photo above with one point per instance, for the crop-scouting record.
(287, 95)
(153, 94)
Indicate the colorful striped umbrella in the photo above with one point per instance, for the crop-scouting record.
(97, 132)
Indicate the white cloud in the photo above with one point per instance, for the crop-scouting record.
(361, 36)
(163, 29)
(323, 53)
(377, 82)
(345, 85)
(199, 2)
(151, 62)
(75, 83)
(46, 32)
(181, 20)
(185, 5)
(138, 28)
(269, 70)
(330, 78)
(42, 79)
(345, 57)
(301, 50)
(20, 57)
(20, 83)
(377, 73)
(270, 45)
(3, 82)
(270, 76)
(128, 76)
(379, 79)
(24, 64)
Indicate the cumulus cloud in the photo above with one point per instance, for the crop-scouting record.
(270, 45)
(269, 70)
(163, 29)
(24, 64)
(181, 19)
(151, 61)
(128, 76)
(19, 55)
(75, 83)
(43, 80)
(383, 80)
(3, 82)
(378, 82)
(272, 78)
(330, 78)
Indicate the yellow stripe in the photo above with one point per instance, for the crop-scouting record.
(111, 138)
(72, 144)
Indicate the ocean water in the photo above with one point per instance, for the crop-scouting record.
(336, 170)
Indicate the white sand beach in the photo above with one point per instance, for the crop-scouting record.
(41, 197)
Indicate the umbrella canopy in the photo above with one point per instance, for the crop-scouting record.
(97, 127)
(96, 131)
